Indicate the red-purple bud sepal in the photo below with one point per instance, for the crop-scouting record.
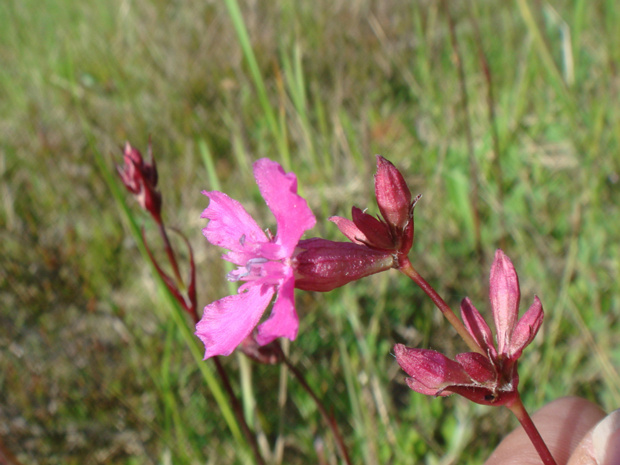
(140, 179)
(322, 265)
(394, 230)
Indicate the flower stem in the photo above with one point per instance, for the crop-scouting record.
(407, 269)
(171, 258)
(6, 457)
(342, 448)
(519, 411)
(236, 406)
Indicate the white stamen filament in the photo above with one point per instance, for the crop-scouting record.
(253, 269)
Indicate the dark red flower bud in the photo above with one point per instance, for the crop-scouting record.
(394, 231)
(322, 265)
(393, 195)
(140, 179)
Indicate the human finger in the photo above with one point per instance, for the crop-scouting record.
(562, 424)
(601, 445)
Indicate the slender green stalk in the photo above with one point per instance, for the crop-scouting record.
(282, 396)
(176, 311)
(238, 409)
(270, 114)
(207, 159)
(214, 183)
(545, 55)
(331, 422)
(492, 117)
(350, 363)
(473, 164)
(407, 268)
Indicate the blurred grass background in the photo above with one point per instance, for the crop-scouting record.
(505, 115)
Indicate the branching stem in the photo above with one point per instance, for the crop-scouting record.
(407, 268)
(331, 422)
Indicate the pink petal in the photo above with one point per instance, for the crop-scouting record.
(422, 389)
(430, 368)
(279, 189)
(377, 233)
(349, 229)
(478, 367)
(226, 322)
(526, 329)
(283, 321)
(230, 226)
(248, 250)
(504, 294)
(477, 326)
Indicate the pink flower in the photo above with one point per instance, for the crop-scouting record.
(489, 379)
(264, 263)
(394, 231)
(140, 179)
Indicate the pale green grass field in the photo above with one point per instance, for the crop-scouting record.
(94, 365)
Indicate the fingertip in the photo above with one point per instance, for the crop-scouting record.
(562, 423)
(601, 446)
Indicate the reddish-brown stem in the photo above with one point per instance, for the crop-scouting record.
(194, 313)
(326, 416)
(170, 253)
(191, 308)
(519, 411)
(406, 268)
(236, 406)
(6, 457)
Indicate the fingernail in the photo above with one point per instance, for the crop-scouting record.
(606, 439)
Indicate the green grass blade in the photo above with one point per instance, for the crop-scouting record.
(176, 312)
(268, 111)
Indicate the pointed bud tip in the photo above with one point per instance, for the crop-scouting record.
(393, 194)
(399, 348)
(382, 161)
